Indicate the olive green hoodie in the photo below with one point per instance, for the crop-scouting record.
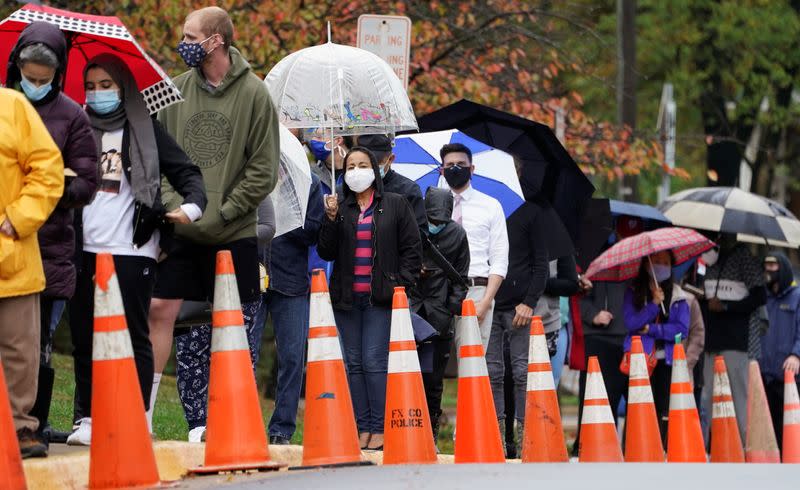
(231, 133)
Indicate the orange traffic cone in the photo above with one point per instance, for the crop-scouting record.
(684, 435)
(726, 443)
(477, 431)
(642, 433)
(543, 438)
(11, 475)
(761, 445)
(330, 437)
(599, 443)
(235, 435)
(121, 454)
(407, 425)
(791, 419)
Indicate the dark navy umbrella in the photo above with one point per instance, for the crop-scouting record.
(642, 211)
(548, 170)
(423, 334)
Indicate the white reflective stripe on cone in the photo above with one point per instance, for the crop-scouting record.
(401, 325)
(540, 381)
(537, 350)
(595, 388)
(680, 373)
(321, 311)
(791, 417)
(681, 401)
(472, 367)
(228, 338)
(639, 367)
(226, 293)
(722, 386)
(790, 394)
(108, 303)
(403, 361)
(723, 410)
(469, 332)
(597, 414)
(640, 394)
(109, 346)
(324, 349)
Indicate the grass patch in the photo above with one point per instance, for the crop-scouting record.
(168, 420)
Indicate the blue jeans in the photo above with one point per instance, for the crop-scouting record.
(56, 311)
(365, 338)
(193, 360)
(557, 360)
(290, 322)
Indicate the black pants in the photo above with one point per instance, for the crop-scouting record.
(774, 390)
(137, 277)
(609, 352)
(434, 380)
(660, 382)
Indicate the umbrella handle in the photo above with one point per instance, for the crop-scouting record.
(653, 275)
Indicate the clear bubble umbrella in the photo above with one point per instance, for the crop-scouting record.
(335, 90)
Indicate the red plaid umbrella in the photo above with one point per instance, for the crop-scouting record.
(622, 261)
(88, 36)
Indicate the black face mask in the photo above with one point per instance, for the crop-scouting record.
(457, 177)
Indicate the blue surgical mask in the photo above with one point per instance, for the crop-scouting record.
(435, 229)
(318, 150)
(662, 272)
(34, 93)
(193, 54)
(103, 101)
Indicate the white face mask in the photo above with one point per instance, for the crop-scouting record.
(359, 179)
(710, 258)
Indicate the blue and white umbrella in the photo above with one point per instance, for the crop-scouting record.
(417, 157)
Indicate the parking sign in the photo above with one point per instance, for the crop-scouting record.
(388, 36)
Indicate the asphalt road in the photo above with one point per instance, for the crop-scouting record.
(545, 476)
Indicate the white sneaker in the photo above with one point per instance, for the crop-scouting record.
(198, 434)
(83, 435)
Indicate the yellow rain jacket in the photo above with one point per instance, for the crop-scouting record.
(31, 183)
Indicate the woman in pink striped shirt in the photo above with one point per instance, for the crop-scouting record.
(374, 241)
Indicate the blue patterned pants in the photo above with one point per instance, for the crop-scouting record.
(193, 353)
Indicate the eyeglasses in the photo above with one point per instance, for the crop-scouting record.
(456, 164)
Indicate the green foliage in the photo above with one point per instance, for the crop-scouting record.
(723, 58)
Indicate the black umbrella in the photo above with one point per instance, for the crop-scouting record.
(596, 226)
(548, 170)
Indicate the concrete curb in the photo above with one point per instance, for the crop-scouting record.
(174, 458)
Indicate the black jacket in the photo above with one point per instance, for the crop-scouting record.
(183, 175)
(400, 184)
(437, 298)
(528, 262)
(565, 282)
(604, 296)
(396, 249)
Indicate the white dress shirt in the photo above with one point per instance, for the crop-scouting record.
(485, 223)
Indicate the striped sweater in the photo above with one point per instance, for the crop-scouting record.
(362, 265)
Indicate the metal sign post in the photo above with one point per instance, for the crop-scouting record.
(667, 113)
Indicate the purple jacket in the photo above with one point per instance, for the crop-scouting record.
(69, 126)
(635, 320)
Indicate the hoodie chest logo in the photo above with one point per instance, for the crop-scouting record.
(207, 138)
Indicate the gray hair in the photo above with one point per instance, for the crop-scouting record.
(38, 53)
